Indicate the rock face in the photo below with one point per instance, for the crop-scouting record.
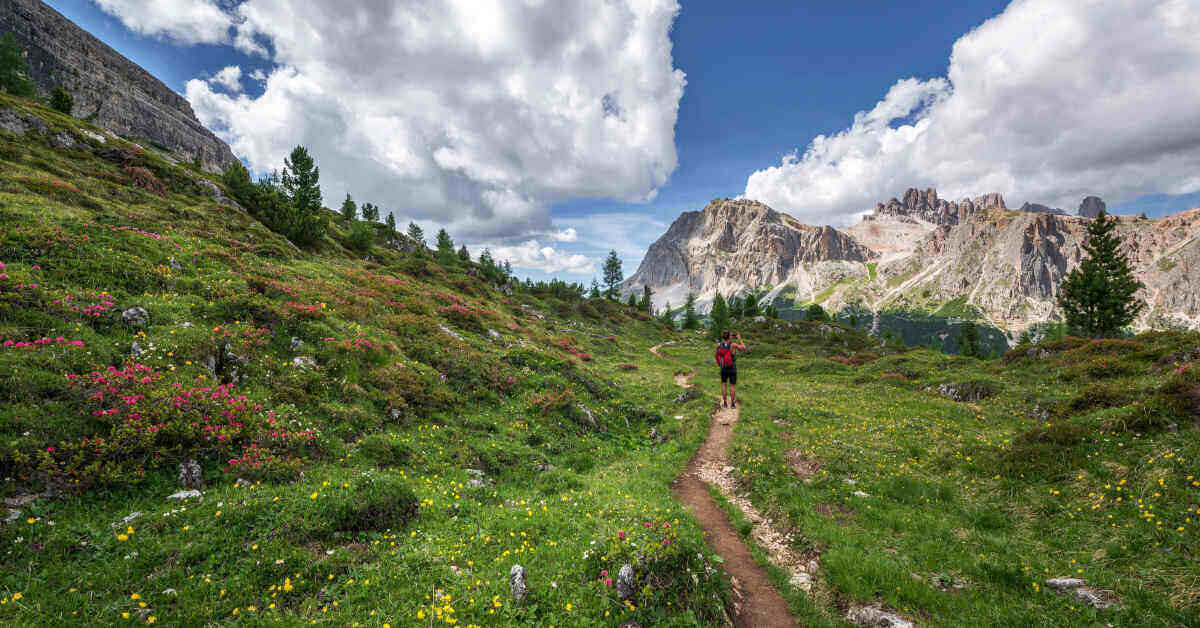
(110, 90)
(1091, 207)
(924, 205)
(734, 243)
(1038, 208)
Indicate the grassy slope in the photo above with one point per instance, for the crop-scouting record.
(982, 494)
(398, 409)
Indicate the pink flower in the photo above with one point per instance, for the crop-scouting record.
(621, 535)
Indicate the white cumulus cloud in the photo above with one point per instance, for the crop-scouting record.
(1047, 102)
(533, 255)
(473, 114)
(182, 21)
(230, 77)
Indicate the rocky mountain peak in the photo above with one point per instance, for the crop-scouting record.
(925, 206)
(1091, 206)
(1038, 208)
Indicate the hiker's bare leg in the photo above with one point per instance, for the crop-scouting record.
(733, 393)
(724, 391)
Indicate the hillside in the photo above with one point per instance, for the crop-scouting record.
(381, 438)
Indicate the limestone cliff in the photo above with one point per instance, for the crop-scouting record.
(109, 90)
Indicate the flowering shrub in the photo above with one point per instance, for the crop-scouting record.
(573, 351)
(550, 401)
(261, 463)
(152, 423)
(144, 179)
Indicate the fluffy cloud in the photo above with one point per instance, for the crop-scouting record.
(473, 114)
(532, 255)
(183, 21)
(230, 78)
(1047, 102)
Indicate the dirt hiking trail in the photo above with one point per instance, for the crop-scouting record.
(756, 602)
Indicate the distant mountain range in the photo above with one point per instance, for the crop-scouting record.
(920, 254)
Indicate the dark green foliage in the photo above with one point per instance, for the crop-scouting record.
(665, 317)
(646, 303)
(370, 212)
(463, 254)
(416, 234)
(968, 340)
(612, 274)
(631, 301)
(1044, 452)
(386, 449)
(349, 209)
(594, 292)
(719, 318)
(445, 248)
(1099, 297)
(14, 70)
(241, 188)
(380, 503)
(690, 319)
(289, 204)
(391, 222)
(62, 101)
(361, 237)
(815, 313)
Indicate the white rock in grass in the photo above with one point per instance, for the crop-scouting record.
(876, 617)
(516, 582)
(1062, 585)
(181, 495)
(625, 582)
(861, 494)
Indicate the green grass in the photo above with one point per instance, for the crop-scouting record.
(984, 492)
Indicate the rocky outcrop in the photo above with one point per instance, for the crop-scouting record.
(1038, 208)
(736, 243)
(109, 90)
(1091, 206)
(925, 206)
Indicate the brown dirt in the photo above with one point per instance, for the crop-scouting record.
(802, 465)
(756, 602)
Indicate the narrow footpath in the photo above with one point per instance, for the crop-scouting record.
(756, 602)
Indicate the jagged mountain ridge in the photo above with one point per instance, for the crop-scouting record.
(110, 91)
(926, 254)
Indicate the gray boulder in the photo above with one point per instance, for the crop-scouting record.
(18, 123)
(625, 584)
(135, 317)
(190, 475)
(876, 617)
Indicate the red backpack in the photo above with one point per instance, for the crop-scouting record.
(724, 355)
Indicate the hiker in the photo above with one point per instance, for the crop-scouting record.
(727, 359)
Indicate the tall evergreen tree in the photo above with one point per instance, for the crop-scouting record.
(665, 317)
(690, 320)
(416, 234)
(508, 270)
(1099, 298)
(301, 186)
(968, 340)
(719, 317)
(370, 212)
(632, 301)
(391, 222)
(62, 101)
(646, 303)
(750, 307)
(464, 254)
(445, 248)
(594, 293)
(349, 209)
(14, 70)
(612, 274)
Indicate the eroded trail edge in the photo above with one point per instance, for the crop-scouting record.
(756, 602)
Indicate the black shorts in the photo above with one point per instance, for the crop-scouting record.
(729, 374)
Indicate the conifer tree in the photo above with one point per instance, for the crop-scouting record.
(1099, 298)
(508, 269)
(391, 222)
(719, 317)
(62, 101)
(370, 212)
(612, 274)
(416, 234)
(594, 293)
(968, 340)
(690, 320)
(464, 254)
(349, 209)
(632, 300)
(300, 184)
(445, 248)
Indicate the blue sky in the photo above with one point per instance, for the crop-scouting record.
(762, 80)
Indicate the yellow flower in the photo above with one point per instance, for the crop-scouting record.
(122, 537)
(151, 619)
(313, 496)
(31, 520)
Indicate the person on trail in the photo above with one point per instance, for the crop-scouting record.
(726, 357)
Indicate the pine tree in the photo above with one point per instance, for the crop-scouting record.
(370, 212)
(815, 313)
(719, 318)
(666, 318)
(594, 293)
(508, 270)
(690, 320)
(349, 209)
(646, 302)
(14, 70)
(612, 274)
(300, 184)
(445, 248)
(464, 254)
(391, 222)
(632, 300)
(968, 340)
(416, 234)
(1099, 298)
(750, 307)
